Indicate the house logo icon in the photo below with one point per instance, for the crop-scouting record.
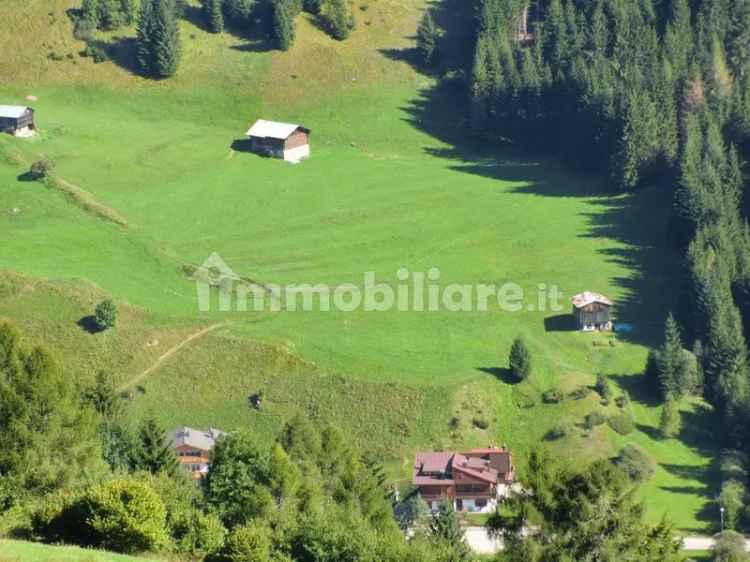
(215, 273)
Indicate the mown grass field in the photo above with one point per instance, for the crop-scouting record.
(20, 551)
(395, 181)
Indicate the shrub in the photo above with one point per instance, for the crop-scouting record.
(732, 499)
(622, 401)
(603, 387)
(635, 462)
(580, 393)
(552, 396)
(561, 429)
(594, 419)
(96, 53)
(670, 423)
(84, 29)
(125, 515)
(622, 423)
(339, 19)
(480, 423)
(729, 547)
(41, 168)
(520, 359)
(106, 314)
(197, 534)
(248, 543)
(313, 6)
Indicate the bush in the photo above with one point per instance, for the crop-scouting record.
(603, 387)
(622, 401)
(197, 534)
(84, 29)
(594, 419)
(730, 547)
(635, 462)
(106, 314)
(732, 499)
(670, 423)
(561, 429)
(480, 423)
(552, 396)
(248, 543)
(580, 393)
(96, 53)
(125, 515)
(41, 168)
(622, 423)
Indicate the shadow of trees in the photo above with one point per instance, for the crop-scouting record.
(501, 373)
(89, 324)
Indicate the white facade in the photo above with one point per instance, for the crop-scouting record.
(297, 154)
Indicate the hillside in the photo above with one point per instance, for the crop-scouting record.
(393, 182)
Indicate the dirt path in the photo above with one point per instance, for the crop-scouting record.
(167, 354)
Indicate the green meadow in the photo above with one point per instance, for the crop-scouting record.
(395, 181)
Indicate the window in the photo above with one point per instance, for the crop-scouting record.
(481, 502)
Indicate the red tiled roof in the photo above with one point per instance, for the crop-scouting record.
(471, 468)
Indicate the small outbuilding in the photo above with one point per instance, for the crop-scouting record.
(17, 120)
(280, 140)
(592, 311)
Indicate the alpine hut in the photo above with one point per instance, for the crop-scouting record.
(592, 312)
(280, 140)
(17, 120)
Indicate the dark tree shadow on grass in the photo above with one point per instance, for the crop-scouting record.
(89, 324)
(560, 323)
(121, 51)
(501, 373)
(27, 177)
(639, 388)
(652, 432)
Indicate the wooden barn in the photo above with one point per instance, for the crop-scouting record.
(280, 140)
(592, 311)
(17, 120)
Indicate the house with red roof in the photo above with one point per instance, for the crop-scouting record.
(471, 481)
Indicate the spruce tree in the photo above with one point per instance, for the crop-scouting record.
(444, 528)
(671, 360)
(283, 24)
(154, 453)
(427, 38)
(166, 45)
(339, 19)
(520, 359)
(213, 14)
(145, 36)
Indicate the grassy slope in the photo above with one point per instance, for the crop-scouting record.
(20, 551)
(384, 189)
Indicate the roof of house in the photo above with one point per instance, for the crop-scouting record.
(12, 111)
(475, 468)
(587, 298)
(439, 468)
(196, 438)
(272, 129)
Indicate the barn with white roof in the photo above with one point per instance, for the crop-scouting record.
(280, 140)
(17, 120)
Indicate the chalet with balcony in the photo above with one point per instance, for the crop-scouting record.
(592, 311)
(193, 448)
(472, 481)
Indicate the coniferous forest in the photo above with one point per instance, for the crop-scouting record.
(643, 92)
